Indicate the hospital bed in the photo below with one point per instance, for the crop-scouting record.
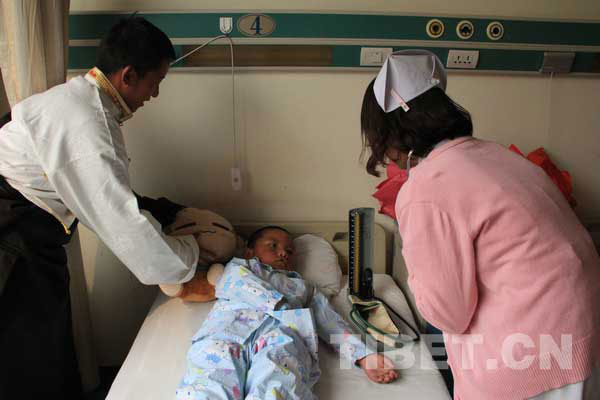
(156, 362)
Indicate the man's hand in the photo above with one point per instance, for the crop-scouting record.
(378, 368)
(162, 209)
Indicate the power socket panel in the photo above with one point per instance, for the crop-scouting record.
(374, 56)
(464, 59)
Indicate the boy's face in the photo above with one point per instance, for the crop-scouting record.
(274, 247)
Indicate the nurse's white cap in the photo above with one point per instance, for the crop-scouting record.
(405, 75)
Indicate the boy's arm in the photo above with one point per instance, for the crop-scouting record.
(239, 284)
(335, 331)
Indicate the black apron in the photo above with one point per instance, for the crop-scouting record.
(37, 352)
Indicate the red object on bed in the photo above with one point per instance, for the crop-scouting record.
(562, 179)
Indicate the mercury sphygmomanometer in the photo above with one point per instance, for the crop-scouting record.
(369, 314)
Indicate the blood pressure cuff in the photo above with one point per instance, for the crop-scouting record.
(162, 209)
(372, 318)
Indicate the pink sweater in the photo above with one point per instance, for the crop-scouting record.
(500, 263)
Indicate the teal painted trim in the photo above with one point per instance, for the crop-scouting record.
(178, 52)
(345, 56)
(510, 60)
(349, 56)
(587, 62)
(82, 57)
(551, 33)
(350, 26)
(91, 26)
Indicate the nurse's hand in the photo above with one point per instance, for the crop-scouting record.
(378, 368)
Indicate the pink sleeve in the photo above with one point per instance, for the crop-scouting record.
(440, 259)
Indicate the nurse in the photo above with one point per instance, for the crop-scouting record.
(63, 159)
(497, 259)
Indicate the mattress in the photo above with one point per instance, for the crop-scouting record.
(157, 359)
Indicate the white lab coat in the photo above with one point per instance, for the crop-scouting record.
(64, 151)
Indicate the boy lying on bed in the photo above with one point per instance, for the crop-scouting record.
(260, 339)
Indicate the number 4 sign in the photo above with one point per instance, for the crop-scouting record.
(256, 25)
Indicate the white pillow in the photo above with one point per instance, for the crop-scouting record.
(317, 262)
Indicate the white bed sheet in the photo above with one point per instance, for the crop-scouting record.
(156, 361)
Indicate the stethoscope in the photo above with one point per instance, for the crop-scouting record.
(410, 153)
(365, 326)
(408, 162)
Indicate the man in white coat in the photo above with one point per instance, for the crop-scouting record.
(63, 159)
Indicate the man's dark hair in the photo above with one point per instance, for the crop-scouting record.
(134, 41)
(257, 234)
(432, 117)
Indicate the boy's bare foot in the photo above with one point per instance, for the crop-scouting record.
(378, 368)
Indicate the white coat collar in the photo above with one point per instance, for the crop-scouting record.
(97, 78)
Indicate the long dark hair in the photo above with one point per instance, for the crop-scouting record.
(432, 117)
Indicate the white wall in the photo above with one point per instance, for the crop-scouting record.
(300, 140)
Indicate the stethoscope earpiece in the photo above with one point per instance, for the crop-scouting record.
(408, 162)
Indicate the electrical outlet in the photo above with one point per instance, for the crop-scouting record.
(374, 56)
(462, 59)
(226, 24)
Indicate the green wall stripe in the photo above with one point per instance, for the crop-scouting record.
(353, 26)
(345, 56)
(587, 62)
(190, 25)
(83, 57)
(552, 33)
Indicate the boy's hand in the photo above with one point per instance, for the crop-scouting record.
(378, 368)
